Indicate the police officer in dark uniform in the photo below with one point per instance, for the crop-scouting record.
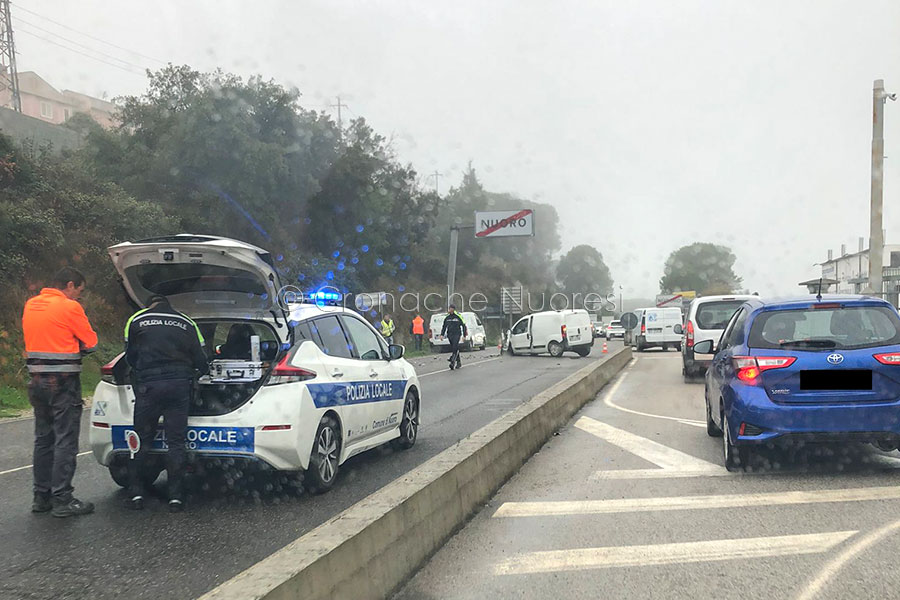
(165, 351)
(454, 327)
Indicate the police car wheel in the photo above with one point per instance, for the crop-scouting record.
(323, 462)
(409, 425)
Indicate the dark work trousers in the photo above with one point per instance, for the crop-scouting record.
(418, 337)
(168, 399)
(454, 347)
(57, 403)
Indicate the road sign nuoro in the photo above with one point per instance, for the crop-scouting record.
(504, 223)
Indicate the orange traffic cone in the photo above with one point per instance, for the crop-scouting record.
(605, 351)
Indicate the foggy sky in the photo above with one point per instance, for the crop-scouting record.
(648, 125)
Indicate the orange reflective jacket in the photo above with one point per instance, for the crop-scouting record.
(418, 326)
(56, 333)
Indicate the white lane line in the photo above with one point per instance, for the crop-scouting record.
(630, 505)
(581, 559)
(660, 455)
(608, 401)
(814, 589)
(661, 474)
(480, 362)
(29, 466)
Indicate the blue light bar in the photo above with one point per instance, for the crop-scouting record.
(324, 297)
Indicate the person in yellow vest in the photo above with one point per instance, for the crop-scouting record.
(387, 328)
(418, 330)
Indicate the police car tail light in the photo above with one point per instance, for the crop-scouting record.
(689, 334)
(749, 368)
(285, 373)
(106, 371)
(888, 358)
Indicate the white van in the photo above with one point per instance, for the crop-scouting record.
(553, 332)
(656, 329)
(476, 339)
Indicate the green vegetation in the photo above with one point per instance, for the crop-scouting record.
(703, 267)
(212, 153)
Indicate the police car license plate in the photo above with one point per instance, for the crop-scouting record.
(204, 439)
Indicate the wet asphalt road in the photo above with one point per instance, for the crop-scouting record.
(631, 500)
(228, 525)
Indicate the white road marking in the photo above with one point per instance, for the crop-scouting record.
(581, 559)
(472, 364)
(608, 401)
(814, 589)
(629, 505)
(660, 455)
(29, 466)
(661, 474)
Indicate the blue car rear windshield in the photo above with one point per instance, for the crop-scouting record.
(826, 328)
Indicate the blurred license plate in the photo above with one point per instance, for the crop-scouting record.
(655, 330)
(836, 379)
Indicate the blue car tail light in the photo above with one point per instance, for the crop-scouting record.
(749, 368)
(888, 358)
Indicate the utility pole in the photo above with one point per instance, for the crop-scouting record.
(437, 177)
(340, 122)
(9, 77)
(876, 231)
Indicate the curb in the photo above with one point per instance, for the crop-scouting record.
(377, 544)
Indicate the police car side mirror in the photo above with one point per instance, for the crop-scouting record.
(677, 329)
(395, 351)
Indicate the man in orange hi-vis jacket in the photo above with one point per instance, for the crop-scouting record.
(57, 333)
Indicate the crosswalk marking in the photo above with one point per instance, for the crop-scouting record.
(580, 559)
(628, 505)
(664, 457)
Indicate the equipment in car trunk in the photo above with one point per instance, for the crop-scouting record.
(234, 371)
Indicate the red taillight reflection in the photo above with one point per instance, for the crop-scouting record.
(888, 358)
(100, 425)
(689, 336)
(276, 427)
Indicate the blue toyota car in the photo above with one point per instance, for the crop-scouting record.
(805, 370)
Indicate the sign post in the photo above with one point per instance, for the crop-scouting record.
(493, 224)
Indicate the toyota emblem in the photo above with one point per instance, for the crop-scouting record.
(835, 359)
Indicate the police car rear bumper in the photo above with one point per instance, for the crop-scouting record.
(275, 448)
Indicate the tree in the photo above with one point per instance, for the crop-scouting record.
(583, 271)
(223, 155)
(703, 267)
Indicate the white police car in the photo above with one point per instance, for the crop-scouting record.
(293, 387)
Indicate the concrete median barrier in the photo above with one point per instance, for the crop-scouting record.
(374, 546)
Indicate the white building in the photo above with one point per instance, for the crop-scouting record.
(851, 271)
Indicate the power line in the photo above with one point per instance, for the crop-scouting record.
(80, 45)
(49, 41)
(102, 41)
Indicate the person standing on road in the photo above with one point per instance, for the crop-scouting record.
(57, 333)
(455, 329)
(418, 330)
(165, 351)
(387, 328)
